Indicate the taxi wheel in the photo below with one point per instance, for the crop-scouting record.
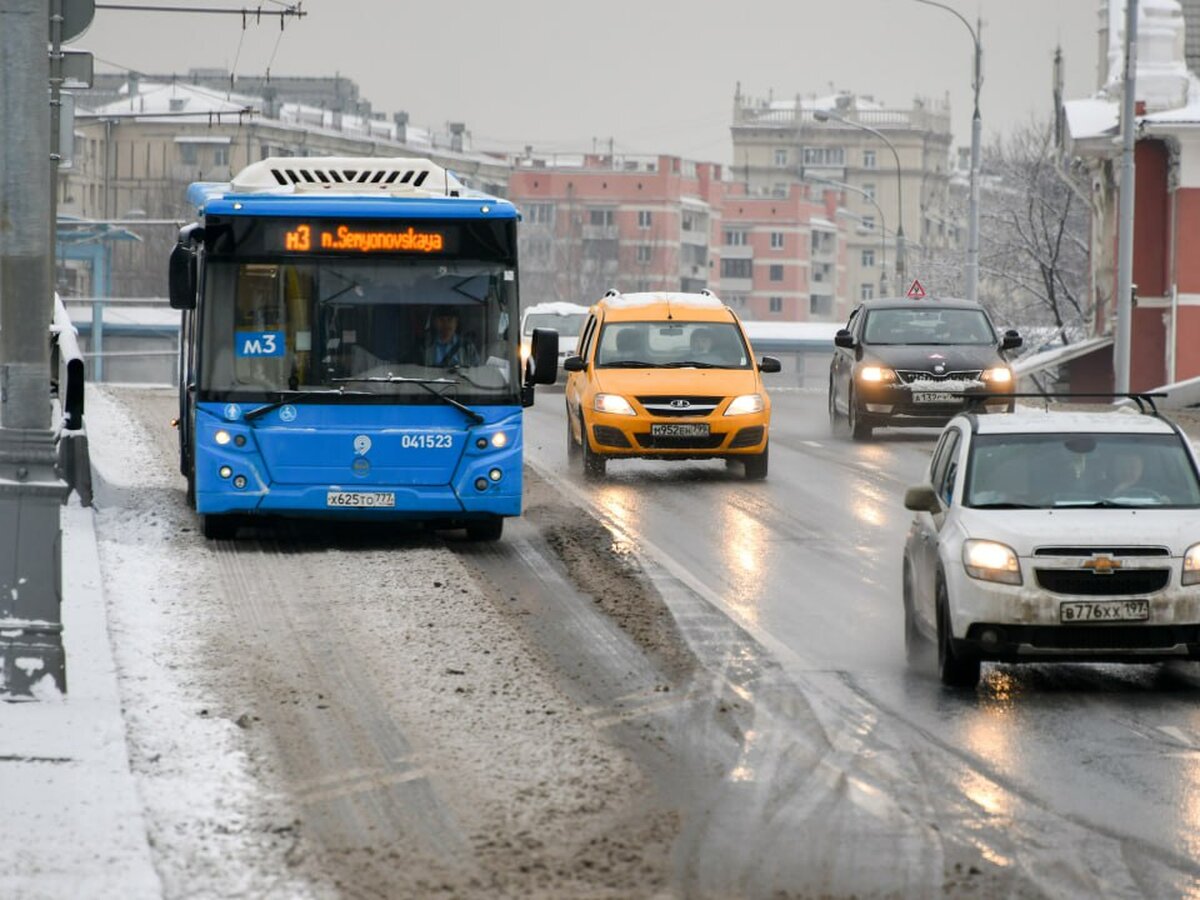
(954, 669)
(915, 644)
(489, 529)
(756, 465)
(859, 430)
(572, 446)
(594, 464)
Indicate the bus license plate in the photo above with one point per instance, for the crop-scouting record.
(695, 429)
(361, 499)
(935, 397)
(1104, 610)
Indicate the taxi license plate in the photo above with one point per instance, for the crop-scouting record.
(361, 499)
(935, 397)
(1104, 611)
(694, 429)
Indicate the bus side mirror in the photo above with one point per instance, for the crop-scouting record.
(769, 365)
(1011, 340)
(182, 277)
(844, 339)
(543, 356)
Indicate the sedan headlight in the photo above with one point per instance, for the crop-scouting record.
(991, 561)
(614, 404)
(998, 375)
(745, 404)
(876, 374)
(1191, 565)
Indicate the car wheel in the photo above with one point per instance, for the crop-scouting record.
(915, 644)
(594, 464)
(572, 447)
(489, 529)
(860, 430)
(218, 528)
(756, 465)
(955, 669)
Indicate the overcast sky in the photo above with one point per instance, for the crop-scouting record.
(654, 75)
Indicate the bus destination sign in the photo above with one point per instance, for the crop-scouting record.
(373, 238)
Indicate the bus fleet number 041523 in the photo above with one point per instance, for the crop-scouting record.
(426, 441)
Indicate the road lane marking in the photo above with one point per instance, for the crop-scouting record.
(811, 443)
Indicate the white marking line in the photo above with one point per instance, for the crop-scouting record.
(811, 443)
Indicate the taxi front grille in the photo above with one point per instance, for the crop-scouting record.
(676, 405)
(658, 442)
(1121, 583)
(908, 376)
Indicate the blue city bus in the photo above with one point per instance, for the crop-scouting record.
(350, 347)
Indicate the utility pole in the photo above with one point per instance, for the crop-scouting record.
(1125, 215)
(30, 489)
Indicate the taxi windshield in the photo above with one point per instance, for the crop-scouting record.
(928, 325)
(672, 344)
(1055, 471)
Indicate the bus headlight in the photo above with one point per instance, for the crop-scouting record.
(222, 437)
(991, 561)
(614, 404)
(745, 404)
(499, 440)
(224, 471)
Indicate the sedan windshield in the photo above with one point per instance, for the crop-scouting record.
(928, 325)
(1053, 471)
(566, 326)
(672, 344)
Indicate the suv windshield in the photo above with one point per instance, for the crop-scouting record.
(668, 344)
(1052, 471)
(928, 325)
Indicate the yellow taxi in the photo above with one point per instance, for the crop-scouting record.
(666, 376)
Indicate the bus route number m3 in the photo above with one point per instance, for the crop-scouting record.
(260, 343)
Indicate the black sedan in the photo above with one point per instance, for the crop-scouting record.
(917, 362)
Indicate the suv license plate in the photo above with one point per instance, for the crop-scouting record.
(696, 429)
(361, 499)
(1104, 611)
(935, 397)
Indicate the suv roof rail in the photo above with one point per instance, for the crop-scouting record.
(1143, 399)
(612, 292)
(705, 292)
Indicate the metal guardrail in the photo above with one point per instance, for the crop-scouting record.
(67, 376)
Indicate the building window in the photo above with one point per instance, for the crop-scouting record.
(642, 285)
(824, 156)
(541, 213)
(644, 218)
(187, 154)
(820, 306)
(866, 291)
(776, 240)
(735, 239)
(776, 304)
(736, 301)
(776, 273)
(868, 223)
(868, 258)
(737, 268)
(780, 189)
(869, 190)
(781, 158)
(221, 156)
(868, 159)
(644, 253)
(600, 217)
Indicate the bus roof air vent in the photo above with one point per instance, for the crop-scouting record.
(333, 174)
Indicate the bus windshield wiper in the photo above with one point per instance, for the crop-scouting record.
(289, 396)
(426, 384)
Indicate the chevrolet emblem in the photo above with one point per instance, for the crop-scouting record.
(1102, 565)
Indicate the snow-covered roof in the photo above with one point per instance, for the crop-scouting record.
(1056, 356)
(675, 298)
(1106, 420)
(1092, 117)
(183, 102)
(822, 222)
(556, 308)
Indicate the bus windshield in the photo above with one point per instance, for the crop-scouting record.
(295, 324)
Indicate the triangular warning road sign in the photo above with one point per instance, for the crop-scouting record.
(916, 291)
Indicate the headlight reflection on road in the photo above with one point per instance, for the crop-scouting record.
(743, 549)
(620, 503)
(989, 735)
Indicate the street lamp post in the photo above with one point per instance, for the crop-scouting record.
(842, 186)
(823, 115)
(976, 134)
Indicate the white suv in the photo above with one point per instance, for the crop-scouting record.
(1049, 535)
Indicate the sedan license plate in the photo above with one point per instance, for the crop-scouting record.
(361, 499)
(1104, 611)
(935, 397)
(694, 429)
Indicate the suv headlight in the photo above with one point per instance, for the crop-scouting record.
(746, 404)
(992, 561)
(1191, 565)
(876, 374)
(614, 404)
(998, 375)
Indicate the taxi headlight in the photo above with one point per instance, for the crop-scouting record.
(991, 561)
(1191, 565)
(876, 374)
(222, 437)
(998, 375)
(745, 404)
(614, 404)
